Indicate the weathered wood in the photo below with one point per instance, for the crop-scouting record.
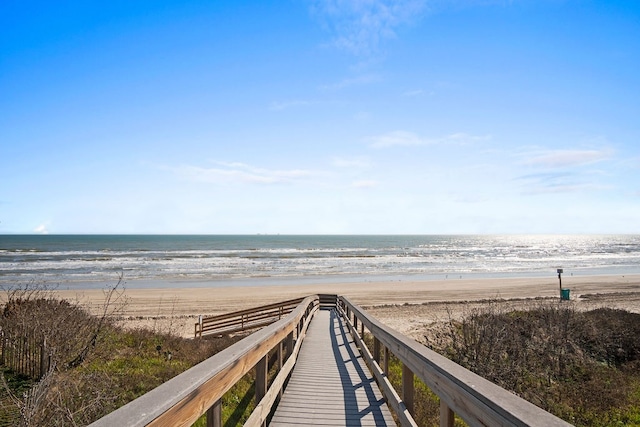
(476, 400)
(376, 350)
(407, 389)
(446, 415)
(262, 370)
(330, 385)
(289, 343)
(263, 408)
(391, 396)
(386, 360)
(244, 319)
(280, 360)
(214, 414)
(180, 401)
(183, 399)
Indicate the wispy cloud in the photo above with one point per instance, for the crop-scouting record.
(361, 80)
(554, 159)
(413, 93)
(407, 139)
(398, 138)
(560, 182)
(283, 105)
(465, 138)
(225, 173)
(360, 26)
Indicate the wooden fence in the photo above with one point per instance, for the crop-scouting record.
(243, 320)
(24, 353)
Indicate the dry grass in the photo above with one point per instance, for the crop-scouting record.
(96, 366)
(581, 366)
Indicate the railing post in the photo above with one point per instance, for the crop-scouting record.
(386, 361)
(262, 370)
(289, 344)
(214, 414)
(407, 388)
(446, 415)
(280, 362)
(376, 350)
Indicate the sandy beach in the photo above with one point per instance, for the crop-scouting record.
(405, 305)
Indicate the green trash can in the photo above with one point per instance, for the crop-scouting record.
(564, 294)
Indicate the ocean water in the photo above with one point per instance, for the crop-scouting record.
(217, 260)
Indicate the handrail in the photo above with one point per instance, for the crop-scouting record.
(242, 320)
(186, 397)
(476, 400)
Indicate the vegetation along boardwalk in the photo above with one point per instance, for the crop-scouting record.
(330, 384)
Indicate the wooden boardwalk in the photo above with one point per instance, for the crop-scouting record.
(330, 384)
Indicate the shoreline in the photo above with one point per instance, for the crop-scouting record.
(170, 282)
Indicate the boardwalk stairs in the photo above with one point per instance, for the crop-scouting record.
(326, 375)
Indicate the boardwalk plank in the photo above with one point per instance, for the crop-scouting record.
(330, 384)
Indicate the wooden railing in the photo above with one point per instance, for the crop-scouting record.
(186, 397)
(477, 401)
(243, 320)
(183, 399)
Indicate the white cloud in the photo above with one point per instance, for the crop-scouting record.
(361, 80)
(239, 173)
(279, 106)
(553, 159)
(465, 138)
(404, 138)
(561, 182)
(397, 138)
(360, 26)
(41, 229)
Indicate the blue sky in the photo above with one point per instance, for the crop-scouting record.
(320, 117)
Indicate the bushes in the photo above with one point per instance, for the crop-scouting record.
(581, 366)
(96, 367)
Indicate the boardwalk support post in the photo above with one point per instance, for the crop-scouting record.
(289, 344)
(376, 350)
(446, 415)
(214, 414)
(386, 361)
(280, 362)
(407, 388)
(262, 368)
